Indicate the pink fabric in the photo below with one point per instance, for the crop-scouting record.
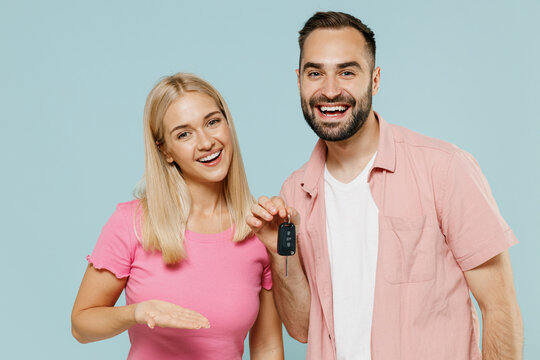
(437, 219)
(220, 279)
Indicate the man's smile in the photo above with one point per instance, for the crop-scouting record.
(332, 111)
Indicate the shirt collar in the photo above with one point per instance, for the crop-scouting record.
(385, 159)
(386, 151)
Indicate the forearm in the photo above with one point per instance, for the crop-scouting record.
(100, 323)
(292, 295)
(502, 335)
(267, 354)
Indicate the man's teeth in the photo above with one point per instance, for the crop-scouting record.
(333, 108)
(210, 157)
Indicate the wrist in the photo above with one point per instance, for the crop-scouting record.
(131, 314)
(279, 261)
(275, 258)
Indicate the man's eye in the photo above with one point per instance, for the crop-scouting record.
(314, 74)
(347, 73)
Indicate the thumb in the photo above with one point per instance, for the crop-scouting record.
(150, 321)
(295, 216)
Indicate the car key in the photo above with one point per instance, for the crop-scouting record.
(286, 243)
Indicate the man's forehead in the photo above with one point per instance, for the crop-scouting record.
(334, 46)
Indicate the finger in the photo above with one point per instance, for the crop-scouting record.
(254, 223)
(260, 212)
(150, 321)
(280, 205)
(187, 320)
(266, 203)
(191, 315)
(187, 324)
(295, 216)
(197, 322)
(165, 320)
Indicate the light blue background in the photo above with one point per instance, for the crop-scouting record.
(74, 77)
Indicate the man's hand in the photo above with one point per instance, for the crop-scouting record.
(266, 216)
(291, 292)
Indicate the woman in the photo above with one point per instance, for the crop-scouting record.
(196, 279)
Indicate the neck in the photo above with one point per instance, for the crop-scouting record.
(347, 158)
(208, 213)
(206, 198)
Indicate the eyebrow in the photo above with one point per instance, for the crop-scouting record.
(339, 66)
(349, 64)
(312, 65)
(210, 114)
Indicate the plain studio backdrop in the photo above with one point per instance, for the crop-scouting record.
(75, 75)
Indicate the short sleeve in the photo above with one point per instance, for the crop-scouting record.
(113, 250)
(267, 277)
(474, 228)
(267, 270)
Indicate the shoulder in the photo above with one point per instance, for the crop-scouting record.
(128, 206)
(127, 210)
(432, 154)
(408, 138)
(116, 244)
(291, 190)
(253, 242)
(297, 176)
(251, 247)
(258, 249)
(123, 218)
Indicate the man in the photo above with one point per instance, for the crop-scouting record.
(393, 228)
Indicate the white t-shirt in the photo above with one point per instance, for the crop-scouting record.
(352, 227)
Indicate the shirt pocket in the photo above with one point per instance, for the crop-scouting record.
(408, 248)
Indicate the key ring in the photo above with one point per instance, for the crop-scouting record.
(288, 217)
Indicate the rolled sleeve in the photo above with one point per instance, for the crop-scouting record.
(474, 228)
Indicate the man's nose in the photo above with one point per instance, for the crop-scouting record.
(330, 87)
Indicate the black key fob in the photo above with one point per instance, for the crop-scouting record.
(286, 244)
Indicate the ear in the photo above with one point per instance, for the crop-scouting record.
(298, 78)
(168, 158)
(376, 80)
(163, 150)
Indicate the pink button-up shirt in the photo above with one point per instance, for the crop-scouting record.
(437, 219)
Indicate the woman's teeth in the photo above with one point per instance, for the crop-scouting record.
(210, 157)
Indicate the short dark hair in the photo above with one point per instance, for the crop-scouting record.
(336, 20)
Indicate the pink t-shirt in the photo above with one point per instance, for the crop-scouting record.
(220, 279)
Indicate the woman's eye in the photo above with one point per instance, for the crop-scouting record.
(183, 135)
(214, 122)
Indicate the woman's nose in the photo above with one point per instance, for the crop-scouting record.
(205, 141)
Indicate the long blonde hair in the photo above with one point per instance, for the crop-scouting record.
(163, 194)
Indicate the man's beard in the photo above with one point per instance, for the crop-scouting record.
(338, 131)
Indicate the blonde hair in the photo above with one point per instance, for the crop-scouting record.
(163, 194)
